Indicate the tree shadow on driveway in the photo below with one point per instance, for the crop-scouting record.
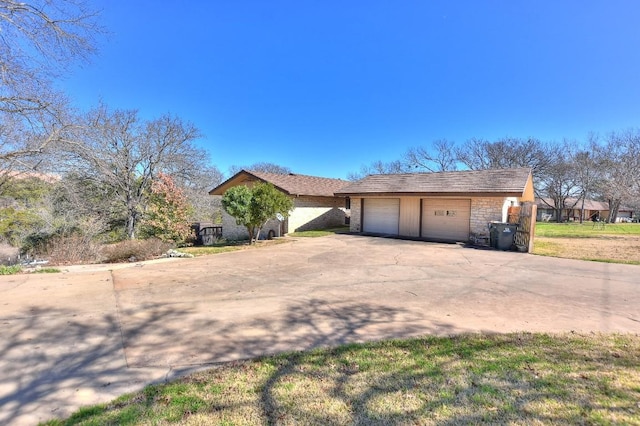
(189, 336)
(55, 361)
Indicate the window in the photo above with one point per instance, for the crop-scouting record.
(347, 203)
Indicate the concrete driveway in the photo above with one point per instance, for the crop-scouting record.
(93, 333)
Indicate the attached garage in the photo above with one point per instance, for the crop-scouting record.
(446, 219)
(381, 215)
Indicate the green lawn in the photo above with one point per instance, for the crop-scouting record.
(506, 379)
(585, 230)
(320, 233)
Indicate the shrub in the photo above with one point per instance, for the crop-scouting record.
(71, 249)
(168, 212)
(10, 270)
(134, 250)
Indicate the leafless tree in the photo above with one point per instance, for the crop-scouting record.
(560, 185)
(619, 158)
(379, 168)
(588, 172)
(264, 167)
(196, 186)
(478, 154)
(119, 151)
(39, 41)
(440, 157)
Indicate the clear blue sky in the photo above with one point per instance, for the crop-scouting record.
(323, 87)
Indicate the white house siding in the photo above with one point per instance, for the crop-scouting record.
(316, 213)
(483, 211)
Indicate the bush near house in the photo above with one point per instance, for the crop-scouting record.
(253, 206)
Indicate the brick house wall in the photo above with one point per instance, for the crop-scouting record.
(483, 211)
(356, 209)
(309, 213)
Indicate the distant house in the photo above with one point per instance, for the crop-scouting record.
(315, 204)
(593, 210)
(445, 206)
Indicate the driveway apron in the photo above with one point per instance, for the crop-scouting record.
(86, 336)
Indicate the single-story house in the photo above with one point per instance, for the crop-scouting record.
(444, 206)
(315, 204)
(593, 210)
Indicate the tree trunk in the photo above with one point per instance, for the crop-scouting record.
(250, 232)
(131, 224)
(614, 206)
(558, 215)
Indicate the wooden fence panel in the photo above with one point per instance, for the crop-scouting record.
(526, 227)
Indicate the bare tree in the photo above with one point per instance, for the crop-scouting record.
(440, 157)
(587, 172)
(379, 168)
(478, 154)
(39, 41)
(619, 158)
(264, 167)
(196, 186)
(121, 152)
(560, 182)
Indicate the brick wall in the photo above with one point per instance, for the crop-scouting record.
(356, 209)
(483, 211)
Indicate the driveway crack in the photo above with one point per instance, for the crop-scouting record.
(119, 318)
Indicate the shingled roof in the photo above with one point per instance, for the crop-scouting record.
(576, 203)
(495, 181)
(291, 184)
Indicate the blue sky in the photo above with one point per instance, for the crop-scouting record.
(323, 87)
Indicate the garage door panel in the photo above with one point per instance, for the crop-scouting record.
(446, 219)
(381, 215)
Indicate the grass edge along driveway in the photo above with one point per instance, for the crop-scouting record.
(612, 243)
(518, 378)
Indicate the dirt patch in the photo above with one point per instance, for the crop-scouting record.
(619, 248)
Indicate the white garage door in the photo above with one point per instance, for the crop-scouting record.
(446, 219)
(381, 215)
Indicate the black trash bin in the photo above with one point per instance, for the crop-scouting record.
(501, 235)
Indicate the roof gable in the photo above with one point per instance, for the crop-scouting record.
(495, 181)
(291, 184)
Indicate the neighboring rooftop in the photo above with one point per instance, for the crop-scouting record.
(576, 203)
(503, 181)
(291, 184)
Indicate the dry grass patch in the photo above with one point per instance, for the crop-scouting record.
(610, 248)
(498, 379)
(227, 246)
